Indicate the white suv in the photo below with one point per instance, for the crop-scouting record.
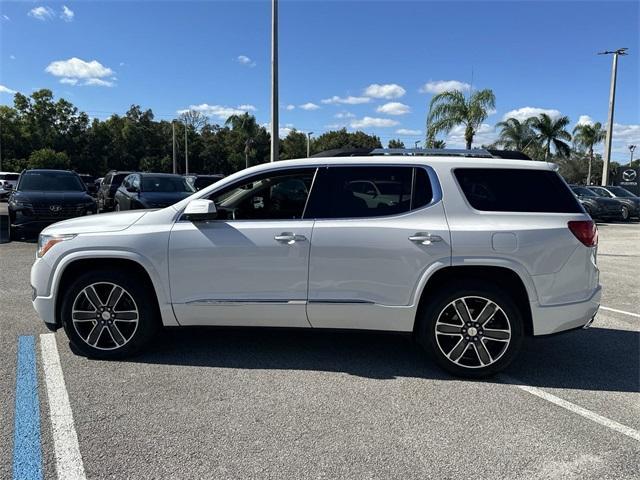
(467, 252)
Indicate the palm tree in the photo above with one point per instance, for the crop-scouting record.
(449, 109)
(550, 131)
(515, 134)
(588, 136)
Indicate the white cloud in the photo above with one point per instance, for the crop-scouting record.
(244, 60)
(344, 115)
(5, 17)
(585, 120)
(309, 106)
(67, 14)
(346, 100)
(440, 86)
(408, 131)
(12, 57)
(4, 89)
(220, 111)
(389, 90)
(74, 70)
(394, 108)
(623, 136)
(526, 112)
(368, 122)
(41, 13)
(290, 107)
(485, 135)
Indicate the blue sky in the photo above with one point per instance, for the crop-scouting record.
(364, 65)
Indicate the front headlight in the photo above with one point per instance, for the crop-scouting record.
(45, 242)
(19, 204)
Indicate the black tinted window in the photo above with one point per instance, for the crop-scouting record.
(516, 190)
(163, 184)
(356, 192)
(281, 195)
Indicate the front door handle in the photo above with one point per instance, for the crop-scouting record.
(289, 238)
(425, 238)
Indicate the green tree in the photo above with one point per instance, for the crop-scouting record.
(588, 136)
(48, 158)
(396, 143)
(294, 145)
(550, 131)
(515, 135)
(449, 109)
(336, 139)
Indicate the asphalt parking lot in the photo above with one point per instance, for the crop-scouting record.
(241, 403)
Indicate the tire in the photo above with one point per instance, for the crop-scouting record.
(122, 337)
(117, 207)
(625, 213)
(441, 312)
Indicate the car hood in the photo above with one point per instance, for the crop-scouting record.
(59, 198)
(105, 222)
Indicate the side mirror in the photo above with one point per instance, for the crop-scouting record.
(200, 211)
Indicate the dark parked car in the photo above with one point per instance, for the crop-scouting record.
(151, 190)
(596, 206)
(201, 181)
(90, 183)
(8, 182)
(630, 202)
(43, 197)
(108, 188)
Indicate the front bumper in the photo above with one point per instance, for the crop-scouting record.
(558, 318)
(42, 295)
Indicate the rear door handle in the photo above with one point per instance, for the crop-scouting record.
(425, 238)
(289, 238)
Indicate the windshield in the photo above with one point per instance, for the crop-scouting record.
(601, 192)
(50, 182)
(621, 192)
(165, 184)
(583, 191)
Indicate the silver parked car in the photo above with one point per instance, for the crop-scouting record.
(460, 250)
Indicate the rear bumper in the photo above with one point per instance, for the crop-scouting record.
(558, 318)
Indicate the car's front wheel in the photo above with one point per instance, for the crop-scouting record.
(472, 329)
(625, 213)
(107, 314)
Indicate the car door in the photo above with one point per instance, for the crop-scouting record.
(250, 266)
(369, 258)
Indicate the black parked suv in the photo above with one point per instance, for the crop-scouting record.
(630, 203)
(108, 188)
(43, 197)
(151, 190)
(598, 207)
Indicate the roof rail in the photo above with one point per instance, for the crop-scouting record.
(475, 153)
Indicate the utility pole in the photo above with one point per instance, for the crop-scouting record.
(173, 143)
(274, 81)
(186, 151)
(309, 144)
(415, 144)
(632, 149)
(612, 101)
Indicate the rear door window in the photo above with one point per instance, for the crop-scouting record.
(516, 190)
(368, 191)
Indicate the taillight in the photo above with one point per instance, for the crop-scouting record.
(585, 231)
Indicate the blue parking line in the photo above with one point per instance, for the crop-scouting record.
(27, 453)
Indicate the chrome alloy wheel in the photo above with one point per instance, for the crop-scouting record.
(105, 316)
(473, 332)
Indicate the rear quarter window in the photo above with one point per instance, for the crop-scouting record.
(516, 190)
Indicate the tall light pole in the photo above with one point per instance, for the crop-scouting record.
(612, 101)
(186, 151)
(415, 144)
(274, 81)
(309, 144)
(173, 143)
(632, 148)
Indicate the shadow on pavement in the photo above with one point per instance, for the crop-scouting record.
(594, 359)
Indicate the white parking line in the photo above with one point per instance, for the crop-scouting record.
(65, 440)
(572, 407)
(620, 311)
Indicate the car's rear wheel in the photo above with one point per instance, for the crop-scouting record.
(117, 207)
(107, 314)
(473, 329)
(625, 213)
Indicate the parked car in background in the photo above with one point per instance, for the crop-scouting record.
(108, 187)
(8, 182)
(467, 256)
(630, 202)
(43, 197)
(201, 181)
(598, 207)
(90, 183)
(151, 190)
